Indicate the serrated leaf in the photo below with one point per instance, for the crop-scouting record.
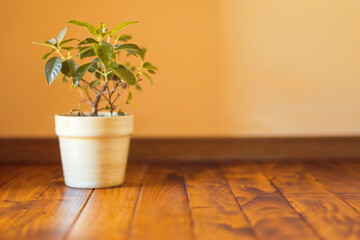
(88, 26)
(148, 77)
(80, 72)
(46, 55)
(129, 46)
(61, 35)
(129, 97)
(52, 69)
(68, 40)
(94, 83)
(104, 53)
(87, 41)
(69, 67)
(123, 73)
(121, 26)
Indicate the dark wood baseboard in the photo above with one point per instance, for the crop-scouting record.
(46, 150)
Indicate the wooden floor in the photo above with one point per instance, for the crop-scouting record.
(194, 201)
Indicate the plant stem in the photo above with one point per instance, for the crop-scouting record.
(95, 88)
(108, 89)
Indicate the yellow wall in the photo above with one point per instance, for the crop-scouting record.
(227, 67)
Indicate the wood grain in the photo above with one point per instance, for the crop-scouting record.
(37, 205)
(8, 172)
(162, 211)
(343, 179)
(214, 209)
(186, 201)
(46, 150)
(265, 207)
(109, 212)
(328, 215)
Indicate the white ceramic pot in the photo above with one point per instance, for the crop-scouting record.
(94, 150)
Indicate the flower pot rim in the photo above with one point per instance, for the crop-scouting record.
(102, 115)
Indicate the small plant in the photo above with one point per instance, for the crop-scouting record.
(111, 69)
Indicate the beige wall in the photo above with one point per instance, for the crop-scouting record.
(227, 67)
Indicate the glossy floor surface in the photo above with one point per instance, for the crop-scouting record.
(186, 201)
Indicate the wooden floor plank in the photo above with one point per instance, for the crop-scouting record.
(109, 211)
(215, 212)
(330, 216)
(265, 207)
(337, 177)
(37, 205)
(343, 179)
(8, 172)
(162, 210)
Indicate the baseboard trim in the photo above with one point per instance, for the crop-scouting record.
(46, 150)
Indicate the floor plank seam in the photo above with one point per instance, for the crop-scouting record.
(66, 235)
(36, 199)
(12, 177)
(129, 233)
(188, 200)
(289, 203)
(337, 195)
(239, 205)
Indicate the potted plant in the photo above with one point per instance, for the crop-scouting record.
(94, 145)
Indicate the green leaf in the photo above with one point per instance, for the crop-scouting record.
(148, 65)
(151, 71)
(107, 107)
(120, 113)
(129, 96)
(148, 77)
(89, 53)
(88, 26)
(97, 75)
(124, 38)
(80, 72)
(138, 87)
(129, 46)
(123, 73)
(84, 49)
(51, 41)
(87, 41)
(120, 27)
(46, 55)
(69, 67)
(101, 28)
(104, 53)
(94, 83)
(65, 79)
(142, 53)
(44, 44)
(52, 69)
(68, 40)
(68, 48)
(61, 35)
